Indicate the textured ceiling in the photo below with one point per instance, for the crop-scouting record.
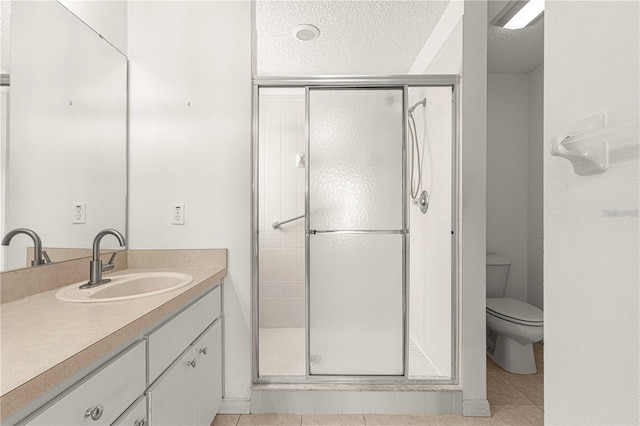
(356, 37)
(513, 50)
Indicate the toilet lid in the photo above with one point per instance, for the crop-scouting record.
(514, 310)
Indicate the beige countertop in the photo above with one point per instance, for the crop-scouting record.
(44, 341)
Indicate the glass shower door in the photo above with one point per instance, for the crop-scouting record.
(355, 231)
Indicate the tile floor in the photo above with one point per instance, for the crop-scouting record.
(516, 400)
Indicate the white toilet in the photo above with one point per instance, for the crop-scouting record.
(514, 326)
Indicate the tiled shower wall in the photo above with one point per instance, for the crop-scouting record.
(430, 250)
(281, 197)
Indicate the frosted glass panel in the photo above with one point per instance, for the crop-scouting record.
(355, 159)
(356, 304)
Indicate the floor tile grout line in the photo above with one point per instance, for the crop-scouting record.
(515, 385)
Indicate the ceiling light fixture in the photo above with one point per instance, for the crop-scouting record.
(305, 32)
(519, 14)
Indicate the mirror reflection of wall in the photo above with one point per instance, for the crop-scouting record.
(67, 136)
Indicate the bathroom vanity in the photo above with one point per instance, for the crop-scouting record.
(152, 360)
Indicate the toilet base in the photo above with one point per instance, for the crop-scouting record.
(514, 357)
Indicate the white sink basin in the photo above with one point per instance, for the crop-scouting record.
(125, 287)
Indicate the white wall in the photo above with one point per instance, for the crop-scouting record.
(507, 183)
(198, 154)
(534, 191)
(107, 17)
(514, 178)
(281, 197)
(473, 208)
(430, 234)
(592, 336)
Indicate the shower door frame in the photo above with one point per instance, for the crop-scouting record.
(361, 82)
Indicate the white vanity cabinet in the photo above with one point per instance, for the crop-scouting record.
(101, 397)
(189, 390)
(172, 377)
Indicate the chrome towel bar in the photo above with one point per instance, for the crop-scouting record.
(276, 225)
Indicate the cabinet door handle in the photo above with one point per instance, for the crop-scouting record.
(203, 351)
(192, 363)
(140, 422)
(95, 412)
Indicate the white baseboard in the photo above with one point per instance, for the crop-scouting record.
(476, 408)
(235, 405)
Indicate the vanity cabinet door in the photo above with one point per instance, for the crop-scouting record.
(169, 340)
(208, 374)
(171, 398)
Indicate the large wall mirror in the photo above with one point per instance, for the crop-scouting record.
(64, 133)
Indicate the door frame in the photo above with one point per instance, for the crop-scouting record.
(364, 82)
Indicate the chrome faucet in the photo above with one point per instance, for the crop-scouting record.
(38, 254)
(96, 267)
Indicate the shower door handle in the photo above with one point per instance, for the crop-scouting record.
(358, 231)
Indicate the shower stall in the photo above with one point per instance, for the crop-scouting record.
(355, 230)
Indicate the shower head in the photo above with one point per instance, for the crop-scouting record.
(423, 102)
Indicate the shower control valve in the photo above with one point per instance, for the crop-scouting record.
(422, 202)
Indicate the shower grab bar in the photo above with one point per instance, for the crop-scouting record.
(276, 225)
(359, 231)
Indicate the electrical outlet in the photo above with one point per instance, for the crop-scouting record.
(177, 214)
(79, 213)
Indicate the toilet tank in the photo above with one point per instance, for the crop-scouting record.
(497, 274)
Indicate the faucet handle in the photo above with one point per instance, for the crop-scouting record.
(109, 266)
(47, 259)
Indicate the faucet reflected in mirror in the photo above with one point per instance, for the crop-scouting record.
(96, 268)
(40, 256)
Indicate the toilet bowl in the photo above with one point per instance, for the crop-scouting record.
(513, 325)
(517, 325)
